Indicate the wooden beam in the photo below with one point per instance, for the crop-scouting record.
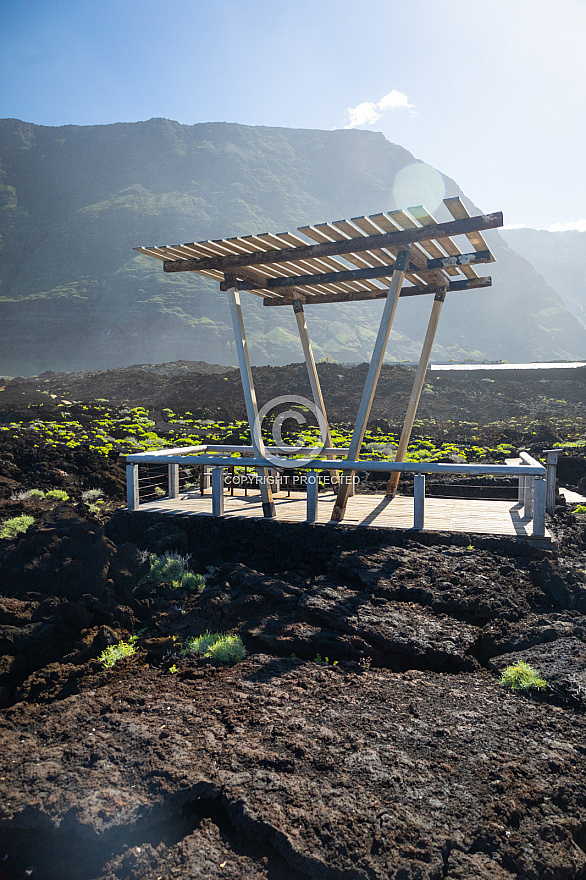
(372, 377)
(461, 260)
(464, 284)
(249, 395)
(332, 248)
(360, 274)
(416, 390)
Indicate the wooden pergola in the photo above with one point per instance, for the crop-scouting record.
(382, 256)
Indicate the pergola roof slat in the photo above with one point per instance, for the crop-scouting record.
(351, 259)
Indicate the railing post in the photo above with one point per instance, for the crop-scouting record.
(539, 507)
(312, 495)
(418, 501)
(528, 498)
(173, 470)
(521, 491)
(217, 491)
(552, 463)
(132, 495)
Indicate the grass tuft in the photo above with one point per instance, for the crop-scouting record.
(57, 495)
(110, 655)
(12, 527)
(216, 646)
(521, 676)
(170, 569)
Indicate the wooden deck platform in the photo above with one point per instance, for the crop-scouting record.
(441, 514)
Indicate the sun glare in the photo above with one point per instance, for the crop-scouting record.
(419, 184)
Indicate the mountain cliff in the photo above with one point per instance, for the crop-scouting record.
(74, 200)
(560, 257)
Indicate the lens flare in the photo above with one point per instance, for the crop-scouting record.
(419, 184)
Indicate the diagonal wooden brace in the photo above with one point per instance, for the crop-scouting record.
(399, 270)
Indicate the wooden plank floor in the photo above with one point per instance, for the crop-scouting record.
(441, 514)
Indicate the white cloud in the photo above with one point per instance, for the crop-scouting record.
(368, 112)
(572, 226)
(578, 225)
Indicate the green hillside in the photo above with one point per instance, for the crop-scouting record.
(75, 200)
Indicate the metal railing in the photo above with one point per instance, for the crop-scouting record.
(532, 493)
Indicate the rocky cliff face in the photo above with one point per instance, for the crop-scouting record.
(560, 257)
(75, 200)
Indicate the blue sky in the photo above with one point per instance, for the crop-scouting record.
(491, 92)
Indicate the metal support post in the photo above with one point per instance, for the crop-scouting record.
(313, 375)
(217, 491)
(528, 499)
(552, 463)
(268, 505)
(418, 501)
(173, 470)
(417, 388)
(312, 495)
(132, 494)
(400, 267)
(539, 507)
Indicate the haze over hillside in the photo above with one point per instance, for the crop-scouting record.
(75, 200)
(560, 257)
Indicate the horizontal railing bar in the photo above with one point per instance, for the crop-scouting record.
(345, 465)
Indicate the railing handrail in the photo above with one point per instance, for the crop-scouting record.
(175, 457)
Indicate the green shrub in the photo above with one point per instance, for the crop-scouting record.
(35, 495)
(522, 677)
(57, 495)
(113, 653)
(580, 508)
(217, 646)
(170, 570)
(12, 527)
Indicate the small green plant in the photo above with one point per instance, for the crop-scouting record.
(57, 495)
(160, 493)
(521, 676)
(216, 646)
(580, 508)
(12, 527)
(173, 669)
(170, 570)
(323, 661)
(93, 509)
(110, 655)
(35, 495)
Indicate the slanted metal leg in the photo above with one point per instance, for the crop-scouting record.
(268, 505)
(378, 353)
(417, 388)
(313, 376)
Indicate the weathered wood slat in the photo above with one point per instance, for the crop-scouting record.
(459, 211)
(348, 246)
